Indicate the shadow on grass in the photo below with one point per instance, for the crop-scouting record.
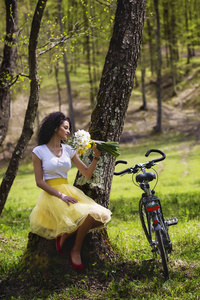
(108, 279)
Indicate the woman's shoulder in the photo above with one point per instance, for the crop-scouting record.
(40, 147)
(38, 150)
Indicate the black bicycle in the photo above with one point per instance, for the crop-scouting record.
(151, 215)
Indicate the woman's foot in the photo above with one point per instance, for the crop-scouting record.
(76, 260)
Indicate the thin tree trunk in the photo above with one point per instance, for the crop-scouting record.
(158, 127)
(31, 111)
(94, 53)
(150, 38)
(142, 67)
(144, 100)
(166, 29)
(174, 47)
(8, 65)
(58, 85)
(187, 31)
(67, 77)
(87, 45)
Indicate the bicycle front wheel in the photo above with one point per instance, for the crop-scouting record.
(162, 252)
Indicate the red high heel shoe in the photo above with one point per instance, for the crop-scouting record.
(76, 267)
(58, 247)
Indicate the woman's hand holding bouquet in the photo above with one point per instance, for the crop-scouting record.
(81, 141)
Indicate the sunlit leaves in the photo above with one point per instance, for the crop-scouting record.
(100, 16)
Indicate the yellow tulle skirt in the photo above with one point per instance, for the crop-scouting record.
(52, 216)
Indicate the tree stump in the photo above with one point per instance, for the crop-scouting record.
(41, 254)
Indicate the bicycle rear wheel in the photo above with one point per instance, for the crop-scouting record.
(165, 235)
(162, 252)
(144, 220)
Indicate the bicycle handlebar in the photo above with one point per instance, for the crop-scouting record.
(124, 171)
(148, 164)
(157, 151)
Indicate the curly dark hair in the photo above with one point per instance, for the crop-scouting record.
(48, 126)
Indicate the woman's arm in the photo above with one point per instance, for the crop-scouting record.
(87, 171)
(37, 163)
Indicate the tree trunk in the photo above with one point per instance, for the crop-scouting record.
(173, 46)
(187, 31)
(158, 127)
(31, 111)
(94, 54)
(166, 30)
(143, 71)
(56, 67)
(8, 65)
(144, 100)
(87, 46)
(67, 78)
(150, 39)
(116, 84)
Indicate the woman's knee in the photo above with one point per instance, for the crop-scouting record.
(94, 223)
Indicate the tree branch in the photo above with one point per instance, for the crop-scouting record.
(62, 39)
(16, 78)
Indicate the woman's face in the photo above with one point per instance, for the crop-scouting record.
(63, 131)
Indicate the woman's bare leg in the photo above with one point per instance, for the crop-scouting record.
(82, 231)
(65, 236)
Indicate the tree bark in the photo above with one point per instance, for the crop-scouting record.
(8, 65)
(31, 111)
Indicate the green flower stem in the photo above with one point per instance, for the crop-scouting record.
(111, 148)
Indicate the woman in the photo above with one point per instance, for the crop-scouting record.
(62, 210)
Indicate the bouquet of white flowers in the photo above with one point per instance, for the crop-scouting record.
(81, 141)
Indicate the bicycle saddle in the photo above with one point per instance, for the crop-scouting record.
(145, 177)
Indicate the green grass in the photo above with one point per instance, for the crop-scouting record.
(129, 276)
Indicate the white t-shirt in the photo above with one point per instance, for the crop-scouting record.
(53, 166)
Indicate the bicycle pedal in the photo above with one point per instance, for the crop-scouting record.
(172, 221)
